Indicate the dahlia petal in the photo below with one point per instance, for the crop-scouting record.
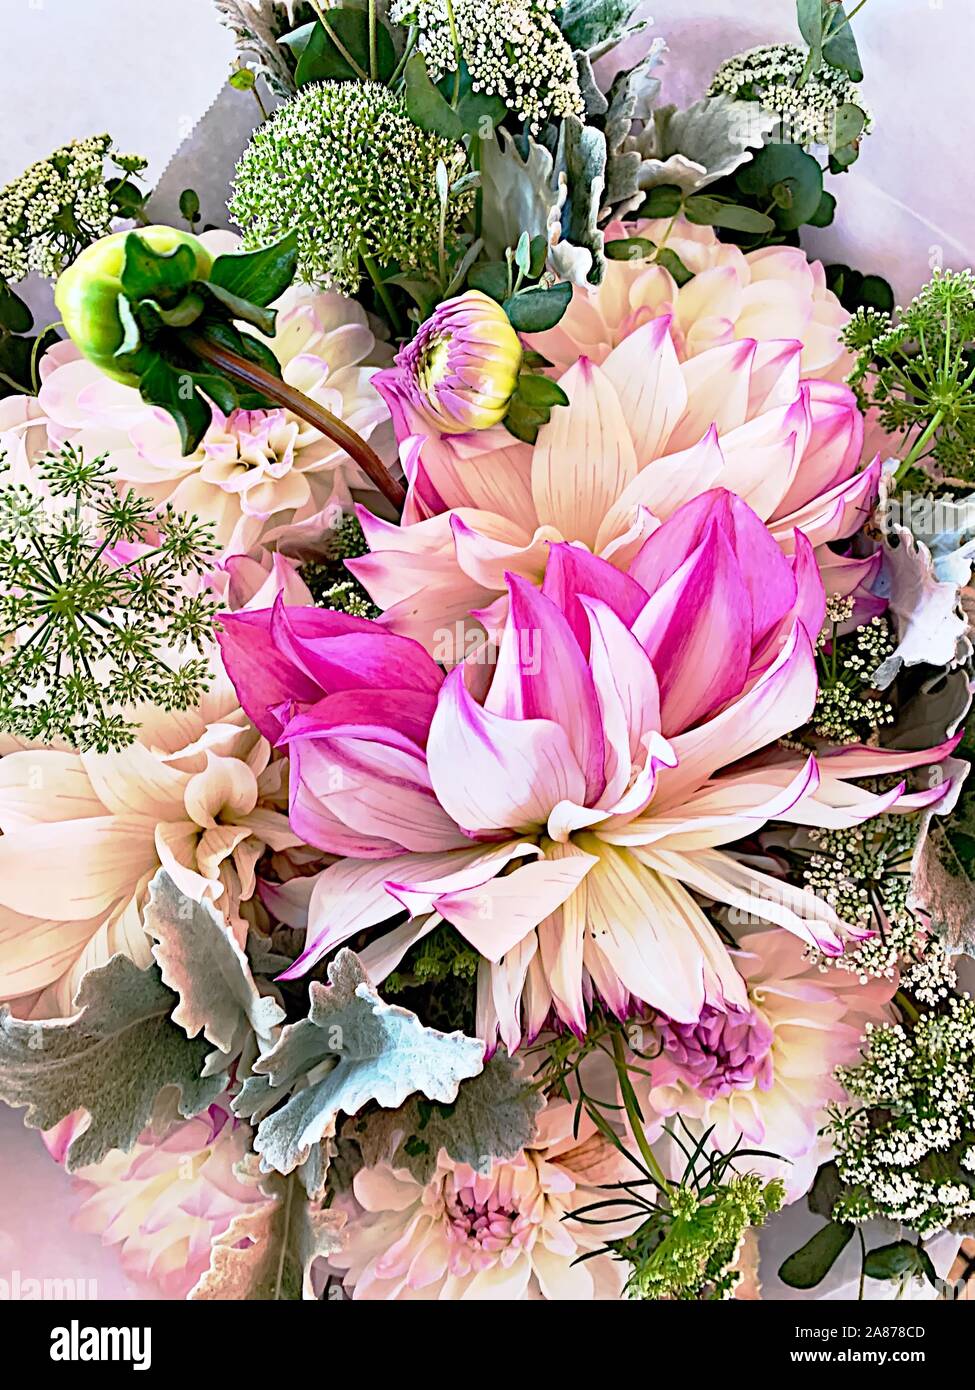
(98, 859)
(530, 685)
(646, 376)
(491, 773)
(498, 914)
(572, 571)
(584, 457)
(781, 700)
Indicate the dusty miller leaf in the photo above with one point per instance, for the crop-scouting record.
(928, 620)
(694, 148)
(257, 26)
(112, 1059)
(595, 26)
(943, 865)
(351, 1049)
(631, 97)
(532, 194)
(268, 1250)
(492, 1117)
(199, 958)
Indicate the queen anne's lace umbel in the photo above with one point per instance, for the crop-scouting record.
(513, 49)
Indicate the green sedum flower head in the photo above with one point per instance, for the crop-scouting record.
(344, 166)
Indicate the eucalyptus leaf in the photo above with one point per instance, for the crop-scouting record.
(492, 279)
(710, 212)
(840, 49)
(426, 107)
(666, 200)
(672, 262)
(892, 1261)
(787, 176)
(323, 59)
(848, 123)
(809, 14)
(536, 309)
(810, 1264)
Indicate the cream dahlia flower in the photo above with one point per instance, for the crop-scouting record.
(260, 476)
(165, 1201)
(773, 293)
(505, 1233)
(643, 433)
(83, 834)
(763, 1074)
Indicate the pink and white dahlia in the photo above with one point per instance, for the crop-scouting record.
(763, 1074)
(643, 433)
(558, 807)
(260, 476)
(775, 293)
(506, 1233)
(165, 1201)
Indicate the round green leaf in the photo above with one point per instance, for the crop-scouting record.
(788, 177)
(535, 310)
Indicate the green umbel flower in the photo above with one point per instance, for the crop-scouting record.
(94, 607)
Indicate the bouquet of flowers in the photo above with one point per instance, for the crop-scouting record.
(485, 652)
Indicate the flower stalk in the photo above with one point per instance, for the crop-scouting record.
(250, 374)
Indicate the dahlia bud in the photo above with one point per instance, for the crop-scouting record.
(87, 296)
(461, 369)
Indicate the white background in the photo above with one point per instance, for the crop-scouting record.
(146, 70)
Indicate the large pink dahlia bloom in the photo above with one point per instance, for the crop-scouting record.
(506, 1233)
(557, 808)
(643, 432)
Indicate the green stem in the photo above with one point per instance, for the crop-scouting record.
(373, 60)
(455, 96)
(407, 54)
(359, 71)
(909, 1010)
(634, 1117)
(383, 292)
(918, 447)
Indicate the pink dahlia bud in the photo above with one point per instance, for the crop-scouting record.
(461, 369)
